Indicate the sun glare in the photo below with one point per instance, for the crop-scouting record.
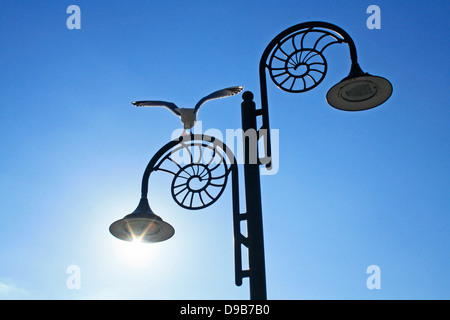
(136, 253)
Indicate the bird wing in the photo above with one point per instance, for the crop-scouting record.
(218, 94)
(168, 105)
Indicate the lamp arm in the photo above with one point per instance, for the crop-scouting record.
(299, 83)
(309, 26)
(151, 165)
(156, 164)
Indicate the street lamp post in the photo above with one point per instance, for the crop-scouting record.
(201, 164)
(295, 62)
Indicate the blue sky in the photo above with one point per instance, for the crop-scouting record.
(352, 190)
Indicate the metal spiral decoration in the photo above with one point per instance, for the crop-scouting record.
(297, 63)
(200, 172)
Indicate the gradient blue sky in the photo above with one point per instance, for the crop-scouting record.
(353, 189)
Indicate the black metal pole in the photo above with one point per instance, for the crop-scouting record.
(257, 273)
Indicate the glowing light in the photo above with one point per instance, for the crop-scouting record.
(136, 253)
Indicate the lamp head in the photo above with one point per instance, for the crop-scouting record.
(359, 91)
(142, 225)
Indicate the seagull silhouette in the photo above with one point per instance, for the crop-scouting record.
(189, 115)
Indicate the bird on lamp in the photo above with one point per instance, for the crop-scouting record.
(188, 116)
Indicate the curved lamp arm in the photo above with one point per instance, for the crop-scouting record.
(295, 62)
(200, 166)
(200, 160)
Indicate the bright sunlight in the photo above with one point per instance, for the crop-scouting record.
(135, 253)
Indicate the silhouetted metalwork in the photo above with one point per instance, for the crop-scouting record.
(295, 58)
(200, 170)
(296, 63)
(201, 165)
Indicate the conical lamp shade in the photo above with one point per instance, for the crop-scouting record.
(142, 225)
(359, 91)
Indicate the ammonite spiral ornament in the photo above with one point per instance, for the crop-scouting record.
(297, 63)
(200, 169)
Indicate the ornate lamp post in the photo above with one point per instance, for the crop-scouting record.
(201, 165)
(295, 62)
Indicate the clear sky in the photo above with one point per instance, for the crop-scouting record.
(352, 190)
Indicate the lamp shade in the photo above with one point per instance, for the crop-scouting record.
(142, 225)
(360, 92)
